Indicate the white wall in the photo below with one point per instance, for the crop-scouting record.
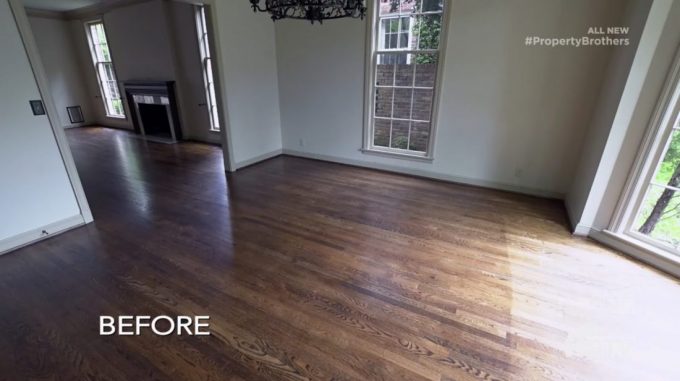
(62, 66)
(35, 190)
(616, 76)
(658, 44)
(511, 116)
(248, 56)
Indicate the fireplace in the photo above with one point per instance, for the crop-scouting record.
(154, 110)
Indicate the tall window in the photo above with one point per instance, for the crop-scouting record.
(658, 217)
(206, 60)
(404, 64)
(650, 209)
(101, 57)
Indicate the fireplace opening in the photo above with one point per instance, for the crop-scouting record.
(155, 120)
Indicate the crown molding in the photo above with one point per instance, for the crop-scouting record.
(101, 8)
(84, 12)
(45, 13)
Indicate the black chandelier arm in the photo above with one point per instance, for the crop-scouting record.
(312, 10)
(255, 4)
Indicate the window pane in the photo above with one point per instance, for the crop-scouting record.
(402, 103)
(113, 89)
(104, 52)
(392, 41)
(426, 70)
(211, 91)
(432, 5)
(399, 134)
(405, 21)
(659, 216)
(404, 75)
(383, 102)
(420, 135)
(117, 106)
(381, 136)
(394, 25)
(403, 40)
(384, 74)
(215, 117)
(388, 7)
(671, 161)
(209, 69)
(422, 104)
(427, 28)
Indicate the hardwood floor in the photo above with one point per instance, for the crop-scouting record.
(319, 271)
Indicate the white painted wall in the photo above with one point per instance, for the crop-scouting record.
(35, 189)
(653, 59)
(248, 56)
(62, 66)
(607, 105)
(511, 116)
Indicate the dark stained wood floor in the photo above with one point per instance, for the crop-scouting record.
(318, 271)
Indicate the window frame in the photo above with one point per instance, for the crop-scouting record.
(209, 88)
(96, 66)
(658, 136)
(373, 38)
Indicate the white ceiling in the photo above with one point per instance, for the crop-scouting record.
(59, 5)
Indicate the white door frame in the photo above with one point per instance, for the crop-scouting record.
(43, 87)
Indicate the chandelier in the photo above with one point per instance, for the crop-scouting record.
(312, 10)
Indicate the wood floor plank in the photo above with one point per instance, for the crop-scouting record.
(320, 271)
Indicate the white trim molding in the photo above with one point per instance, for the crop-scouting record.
(38, 234)
(371, 54)
(428, 174)
(258, 158)
(641, 251)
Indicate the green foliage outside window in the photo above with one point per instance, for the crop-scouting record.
(427, 28)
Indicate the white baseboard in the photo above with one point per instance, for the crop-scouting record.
(38, 234)
(639, 250)
(258, 159)
(581, 230)
(427, 174)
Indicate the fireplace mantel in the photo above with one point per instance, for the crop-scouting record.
(160, 93)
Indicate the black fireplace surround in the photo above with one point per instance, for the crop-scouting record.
(154, 110)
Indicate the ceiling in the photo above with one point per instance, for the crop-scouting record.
(60, 5)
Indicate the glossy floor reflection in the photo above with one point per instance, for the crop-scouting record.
(320, 271)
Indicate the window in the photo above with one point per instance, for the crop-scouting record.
(404, 63)
(206, 60)
(101, 57)
(650, 210)
(658, 216)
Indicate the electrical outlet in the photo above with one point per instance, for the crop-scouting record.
(519, 172)
(302, 142)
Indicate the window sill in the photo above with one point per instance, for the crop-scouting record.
(116, 117)
(660, 258)
(397, 155)
(214, 130)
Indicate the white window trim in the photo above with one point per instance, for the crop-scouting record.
(202, 28)
(93, 55)
(410, 33)
(371, 54)
(662, 125)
